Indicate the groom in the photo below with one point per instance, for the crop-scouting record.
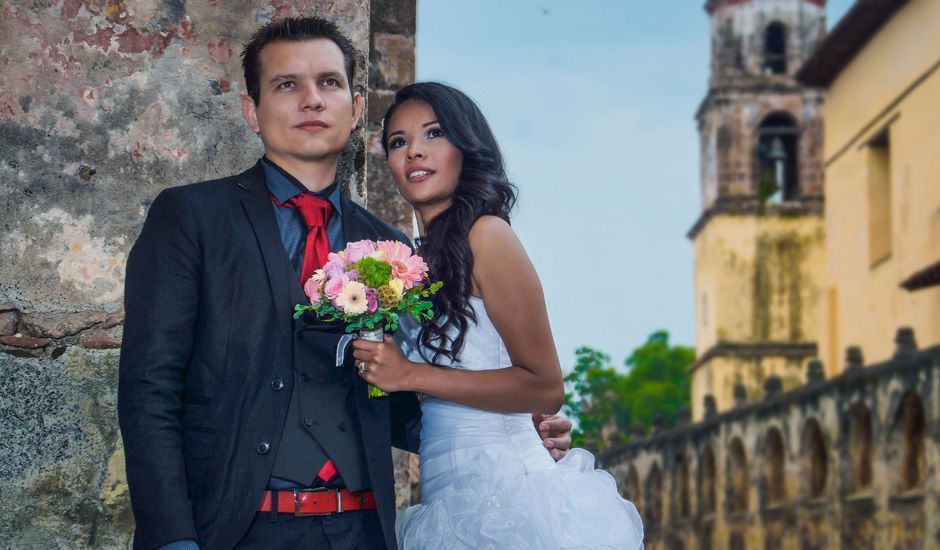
(238, 430)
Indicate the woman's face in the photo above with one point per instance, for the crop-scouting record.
(425, 165)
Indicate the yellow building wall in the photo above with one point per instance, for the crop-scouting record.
(892, 88)
(758, 280)
(718, 376)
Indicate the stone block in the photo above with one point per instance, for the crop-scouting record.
(392, 63)
(64, 432)
(26, 342)
(99, 339)
(113, 319)
(398, 16)
(8, 320)
(60, 325)
(379, 101)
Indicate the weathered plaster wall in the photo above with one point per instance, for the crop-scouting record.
(876, 94)
(759, 283)
(758, 279)
(102, 105)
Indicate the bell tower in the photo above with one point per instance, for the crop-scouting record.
(759, 255)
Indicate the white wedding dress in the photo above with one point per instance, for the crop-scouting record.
(488, 483)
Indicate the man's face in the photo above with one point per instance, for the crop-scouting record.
(306, 111)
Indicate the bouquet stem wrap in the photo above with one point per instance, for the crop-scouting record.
(374, 335)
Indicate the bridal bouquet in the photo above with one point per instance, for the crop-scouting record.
(369, 286)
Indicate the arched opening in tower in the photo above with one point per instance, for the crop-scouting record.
(775, 49)
(777, 162)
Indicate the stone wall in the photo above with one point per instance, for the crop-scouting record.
(391, 66)
(102, 105)
(850, 462)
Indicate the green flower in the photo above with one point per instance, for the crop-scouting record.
(374, 273)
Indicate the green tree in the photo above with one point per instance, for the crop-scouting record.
(601, 397)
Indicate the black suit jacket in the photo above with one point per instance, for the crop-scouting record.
(208, 331)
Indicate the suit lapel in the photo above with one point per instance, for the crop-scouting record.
(257, 204)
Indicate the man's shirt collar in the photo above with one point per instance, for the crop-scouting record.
(285, 186)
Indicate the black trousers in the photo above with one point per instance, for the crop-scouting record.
(354, 530)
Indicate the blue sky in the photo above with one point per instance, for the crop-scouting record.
(592, 103)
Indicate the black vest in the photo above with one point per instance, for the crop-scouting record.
(322, 420)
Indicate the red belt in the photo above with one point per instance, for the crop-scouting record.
(318, 502)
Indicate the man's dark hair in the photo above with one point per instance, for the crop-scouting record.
(292, 29)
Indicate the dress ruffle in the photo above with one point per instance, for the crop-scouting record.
(498, 504)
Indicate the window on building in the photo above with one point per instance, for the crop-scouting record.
(706, 481)
(860, 446)
(737, 477)
(777, 166)
(879, 198)
(815, 459)
(775, 466)
(775, 48)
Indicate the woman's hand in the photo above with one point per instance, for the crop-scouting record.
(555, 431)
(383, 364)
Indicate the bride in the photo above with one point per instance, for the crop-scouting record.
(487, 360)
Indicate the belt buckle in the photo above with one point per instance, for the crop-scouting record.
(299, 514)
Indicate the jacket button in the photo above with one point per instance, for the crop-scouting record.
(277, 384)
(263, 448)
(308, 421)
(342, 426)
(305, 377)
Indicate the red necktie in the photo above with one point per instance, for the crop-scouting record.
(315, 212)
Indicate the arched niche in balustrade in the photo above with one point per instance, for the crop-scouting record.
(909, 426)
(707, 482)
(653, 499)
(814, 460)
(630, 488)
(737, 477)
(774, 467)
(682, 500)
(859, 449)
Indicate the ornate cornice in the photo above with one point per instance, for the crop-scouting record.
(749, 205)
(753, 350)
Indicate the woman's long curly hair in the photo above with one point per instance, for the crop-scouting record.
(482, 189)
